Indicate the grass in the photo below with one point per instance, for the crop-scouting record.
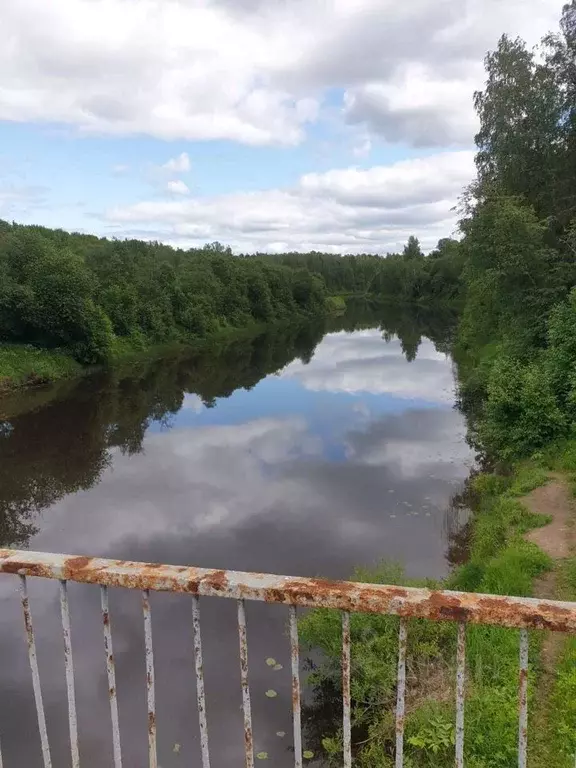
(24, 365)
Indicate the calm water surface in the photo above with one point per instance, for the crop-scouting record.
(296, 453)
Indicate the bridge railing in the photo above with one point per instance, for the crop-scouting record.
(407, 603)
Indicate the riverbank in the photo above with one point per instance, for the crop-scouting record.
(518, 524)
(26, 366)
(22, 365)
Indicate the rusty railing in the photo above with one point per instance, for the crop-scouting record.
(347, 597)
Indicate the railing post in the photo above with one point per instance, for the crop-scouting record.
(248, 738)
(401, 693)
(200, 695)
(295, 662)
(111, 674)
(460, 693)
(69, 666)
(346, 719)
(523, 700)
(33, 659)
(150, 683)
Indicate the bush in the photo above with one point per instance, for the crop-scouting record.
(521, 414)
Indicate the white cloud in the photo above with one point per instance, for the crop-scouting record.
(180, 164)
(350, 210)
(253, 72)
(120, 169)
(416, 108)
(177, 187)
(192, 402)
(406, 183)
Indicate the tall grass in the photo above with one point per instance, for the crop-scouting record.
(24, 365)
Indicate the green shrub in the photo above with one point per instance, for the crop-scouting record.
(521, 414)
(335, 304)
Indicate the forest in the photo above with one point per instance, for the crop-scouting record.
(94, 299)
(86, 295)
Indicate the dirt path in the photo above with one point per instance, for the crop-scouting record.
(558, 540)
(555, 500)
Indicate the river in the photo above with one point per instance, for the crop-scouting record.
(303, 451)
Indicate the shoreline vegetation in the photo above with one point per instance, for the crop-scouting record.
(26, 366)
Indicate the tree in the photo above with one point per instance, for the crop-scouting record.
(519, 141)
(412, 249)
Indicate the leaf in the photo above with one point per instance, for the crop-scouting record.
(308, 754)
(271, 694)
(176, 748)
(271, 662)
(278, 667)
(262, 756)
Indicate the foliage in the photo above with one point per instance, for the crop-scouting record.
(85, 295)
(521, 412)
(435, 734)
(408, 276)
(516, 343)
(336, 304)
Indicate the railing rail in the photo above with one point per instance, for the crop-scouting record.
(347, 597)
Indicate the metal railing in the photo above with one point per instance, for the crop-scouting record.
(347, 597)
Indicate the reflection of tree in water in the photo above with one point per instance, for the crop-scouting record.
(63, 444)
(457, 524)
(48, 453)
(321, 713)
(409, 323)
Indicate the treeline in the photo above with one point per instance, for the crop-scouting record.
(408, 276)
(89, 295)
(517, 338)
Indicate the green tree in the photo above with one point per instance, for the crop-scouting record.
(519, 141)
(412, 249)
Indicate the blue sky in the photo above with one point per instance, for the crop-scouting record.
(266, 124)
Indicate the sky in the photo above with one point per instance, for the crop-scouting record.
(336, 125)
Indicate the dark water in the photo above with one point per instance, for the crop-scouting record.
(295, 452)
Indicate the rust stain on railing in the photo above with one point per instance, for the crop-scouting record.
(347, 597)
(408, 602)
